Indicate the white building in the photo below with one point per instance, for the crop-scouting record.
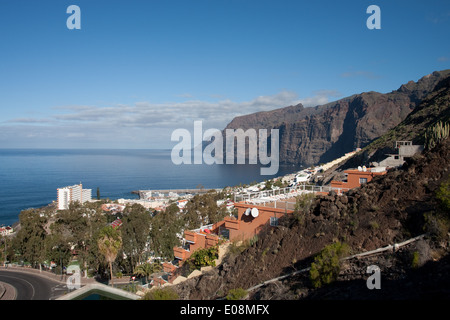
(4, 231)
(73, 193)
(405, 150)
(86, 195)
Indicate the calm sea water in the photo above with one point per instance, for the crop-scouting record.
(29, 177)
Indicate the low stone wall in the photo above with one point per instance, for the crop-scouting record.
(7, 292)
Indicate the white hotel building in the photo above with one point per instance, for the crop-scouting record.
(73, 193)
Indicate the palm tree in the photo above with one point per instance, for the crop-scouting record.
(109, 244)
(146, 269)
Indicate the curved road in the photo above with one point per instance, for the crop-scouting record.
(29, 286)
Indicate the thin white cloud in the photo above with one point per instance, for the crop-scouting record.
(142, 125)
(30, 120)
(144, 114)
(320, 97)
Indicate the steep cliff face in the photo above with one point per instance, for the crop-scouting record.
(433, 108)
(314, 135)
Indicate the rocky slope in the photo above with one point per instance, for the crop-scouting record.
(311, 136)
(434, 107)
(387, 210)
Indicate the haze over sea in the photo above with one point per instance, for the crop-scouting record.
(29, 177)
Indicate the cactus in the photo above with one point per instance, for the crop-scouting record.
(435, 134)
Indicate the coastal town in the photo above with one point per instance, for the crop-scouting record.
(248, 209)
(237, 158)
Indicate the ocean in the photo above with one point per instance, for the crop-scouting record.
(29, 177)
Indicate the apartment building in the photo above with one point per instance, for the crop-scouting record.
(73, 193)
(357, 177)
(250, 220)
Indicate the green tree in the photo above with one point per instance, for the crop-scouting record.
(203, 209)
(98, 193)
(279, 183)
(109, 243)
(71, 224)
(30, 241)
(76, 228)
(164, 229)
(326, 266)
(58, 250)
(146, 269)
(268, 185)
(5, 249)
(135, 233)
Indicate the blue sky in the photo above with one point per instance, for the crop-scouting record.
(139, 69)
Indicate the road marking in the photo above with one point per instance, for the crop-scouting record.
(32, 296)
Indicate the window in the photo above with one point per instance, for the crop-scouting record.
(362, 180)
(225, 233)
(273, 221)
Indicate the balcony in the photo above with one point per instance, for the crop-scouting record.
(190, 236)
(211, 240)
(168, 267)
(231, 223)
(181, 253)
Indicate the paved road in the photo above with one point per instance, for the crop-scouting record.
(30, 286)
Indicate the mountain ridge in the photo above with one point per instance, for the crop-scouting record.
(314, 135)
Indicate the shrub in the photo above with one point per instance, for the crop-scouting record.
(374, 225)
(161, 294)
(205, 257)
(236, 247)
(436, 225)
(236, 294)
(326, 266)
(253, 240)
(443, 195)
(304, 203)
(415, 260)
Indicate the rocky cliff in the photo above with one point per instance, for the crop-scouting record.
(390, 209)
(433, 108)
(320, 134)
